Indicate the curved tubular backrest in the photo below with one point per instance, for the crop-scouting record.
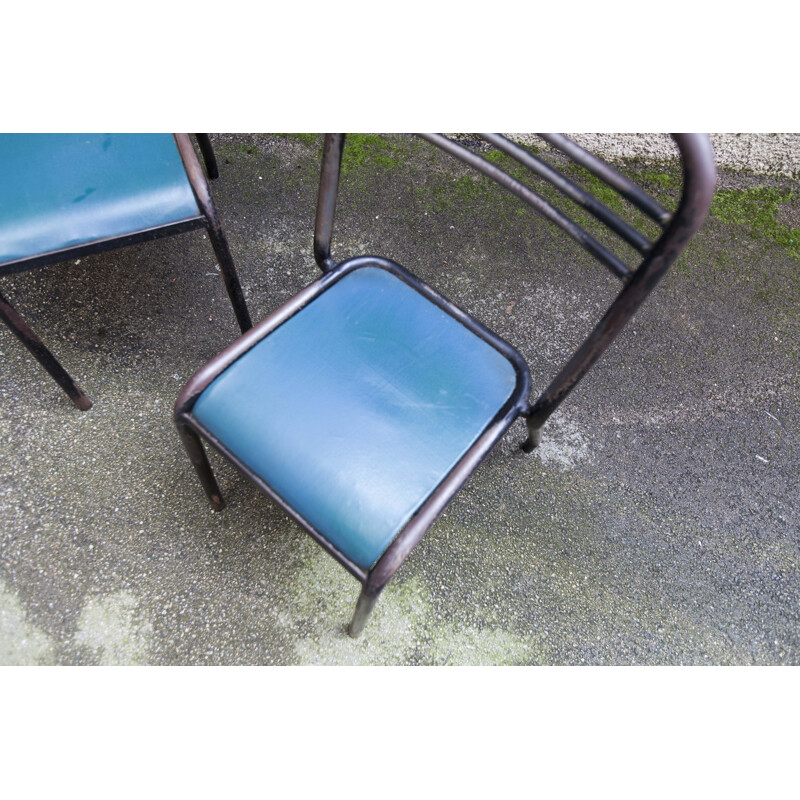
(699, 177)
(571, 190)
(630, 191)
(538, 203)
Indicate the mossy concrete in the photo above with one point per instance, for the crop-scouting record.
(656, 524)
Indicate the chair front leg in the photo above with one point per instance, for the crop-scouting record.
(34, 344)
(366, 602)
(197, 455)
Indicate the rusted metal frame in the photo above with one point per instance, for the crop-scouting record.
(23, 332)
(375, 579)
(326, 200)
(629, 190)
(204, 141)
(538, 203)
(364, 605)
(574, 192)
(202, 193)
(197, 455)
(698, 180)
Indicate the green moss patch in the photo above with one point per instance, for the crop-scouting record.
(309, 139)
(663, 180)
(368, 150)
(757, 209)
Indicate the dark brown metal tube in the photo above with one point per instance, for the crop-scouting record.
(629, 190)
(571, 190)
(48, 361)
(366, 602)
(536, 202)
(197, 455)
(326, 199)
(208, 155)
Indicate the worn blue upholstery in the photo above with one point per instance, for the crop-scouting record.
(60, 190)
(357, 407)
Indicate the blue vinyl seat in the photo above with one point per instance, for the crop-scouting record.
(67, 189)
(72, 194)
(355, 409)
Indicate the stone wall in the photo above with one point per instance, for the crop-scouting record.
(764, 153)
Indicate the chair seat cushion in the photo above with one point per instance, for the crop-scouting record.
(61, 190)
(358, 406)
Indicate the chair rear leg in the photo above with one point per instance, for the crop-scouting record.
(207, 150)
(34, 344)
(366, 602)
(229, 275)
(197, 455)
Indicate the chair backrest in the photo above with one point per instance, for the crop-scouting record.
(654, 256)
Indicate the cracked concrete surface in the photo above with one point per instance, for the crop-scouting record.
(657, 523)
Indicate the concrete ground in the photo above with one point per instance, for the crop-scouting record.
(656, 524)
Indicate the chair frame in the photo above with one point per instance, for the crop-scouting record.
(207, 218)
(374, 579)
(699, 178)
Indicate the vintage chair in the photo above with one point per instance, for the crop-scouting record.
(67, 195)
(362, 405)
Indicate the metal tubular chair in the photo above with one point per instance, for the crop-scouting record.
(406, 393)
(67, 195)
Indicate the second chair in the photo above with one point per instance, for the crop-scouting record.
(64, 196)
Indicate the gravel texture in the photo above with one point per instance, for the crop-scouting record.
(762, 153)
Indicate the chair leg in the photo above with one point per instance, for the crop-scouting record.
(534, 437)
(366, 602)
(34, 344)
(208, 155)
(223, 253)
(197, 455)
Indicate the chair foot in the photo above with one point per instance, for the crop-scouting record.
(532, 442)
(48, 361)
(366, 602)
(197, 455)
